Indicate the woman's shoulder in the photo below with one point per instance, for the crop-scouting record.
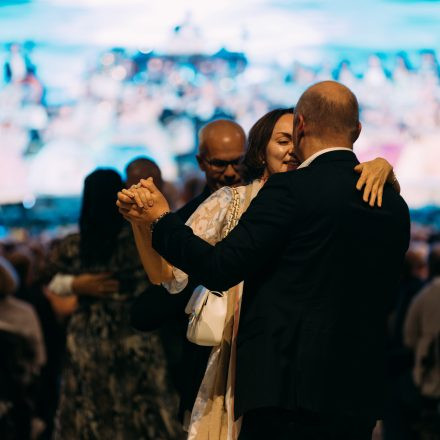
(225, 195)
(218, 199)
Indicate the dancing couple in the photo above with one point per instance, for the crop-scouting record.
(309, 271)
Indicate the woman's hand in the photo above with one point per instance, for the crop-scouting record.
(142, 203)
(130, 205)
(374, 175)
(98, 285)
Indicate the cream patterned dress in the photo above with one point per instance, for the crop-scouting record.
(208, 222)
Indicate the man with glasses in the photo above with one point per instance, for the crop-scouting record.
(222, 145)
(221, 150)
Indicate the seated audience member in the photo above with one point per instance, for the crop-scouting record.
(18, 316)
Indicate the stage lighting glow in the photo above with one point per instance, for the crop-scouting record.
(100, 81)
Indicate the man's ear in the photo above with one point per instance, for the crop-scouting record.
(357, 132)
(201, 162)
(300, 124)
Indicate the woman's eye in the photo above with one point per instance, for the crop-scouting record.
(284, 141)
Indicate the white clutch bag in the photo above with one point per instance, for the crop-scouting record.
(207, 313)
(207, 309)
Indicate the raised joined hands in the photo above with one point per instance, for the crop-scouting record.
(142, 203)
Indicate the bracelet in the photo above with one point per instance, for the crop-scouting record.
(155, 222)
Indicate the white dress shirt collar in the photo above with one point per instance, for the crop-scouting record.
(309, 160)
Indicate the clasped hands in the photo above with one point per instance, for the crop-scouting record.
(142, 203)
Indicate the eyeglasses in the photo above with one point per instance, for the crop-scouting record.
(221, 165)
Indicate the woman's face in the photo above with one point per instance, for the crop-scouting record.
(279, 151)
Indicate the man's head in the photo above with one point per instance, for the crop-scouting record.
(222, 145)
(434, 261)
(142, 168)
(327, 115)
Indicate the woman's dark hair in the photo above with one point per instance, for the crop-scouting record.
(100, 221)
(258, 138)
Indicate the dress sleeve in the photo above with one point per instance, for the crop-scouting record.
(61, 284)
(207, 222)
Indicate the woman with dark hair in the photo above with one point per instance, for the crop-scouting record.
(270, 151)
(113, 383)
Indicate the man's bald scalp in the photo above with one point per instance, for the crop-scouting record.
(330, 108)
(218, 128)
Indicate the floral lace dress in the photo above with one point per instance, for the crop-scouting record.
(114, 383)
(208, 222)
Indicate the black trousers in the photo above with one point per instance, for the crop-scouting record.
(279, 424)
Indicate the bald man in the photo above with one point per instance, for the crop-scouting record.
(222, 145)
(141, 168)
(319, 268)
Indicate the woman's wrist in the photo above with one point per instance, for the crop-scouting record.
(155, 222)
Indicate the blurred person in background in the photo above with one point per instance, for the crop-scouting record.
(97, 283)
(16, 379)
(28, 259)
(17, 64)
(23, 355)
(222, 146)
(20, 315)
(142, 168)
(402, 405)
(114, 381)
(422, 336)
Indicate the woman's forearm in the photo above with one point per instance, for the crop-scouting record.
(157, 269)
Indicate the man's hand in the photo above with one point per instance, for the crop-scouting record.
(374, 175)
(94, 284)
(154, 202)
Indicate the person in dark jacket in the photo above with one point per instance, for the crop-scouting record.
(319, 267)
(222, 145)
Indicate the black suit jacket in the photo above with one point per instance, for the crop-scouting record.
(319, 267)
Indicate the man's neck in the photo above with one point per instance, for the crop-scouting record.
(311, 146)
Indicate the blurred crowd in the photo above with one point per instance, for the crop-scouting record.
(130, 103)
(60, 332)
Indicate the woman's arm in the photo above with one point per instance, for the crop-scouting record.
(207, 222)
(374, 175)
(157, 269)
